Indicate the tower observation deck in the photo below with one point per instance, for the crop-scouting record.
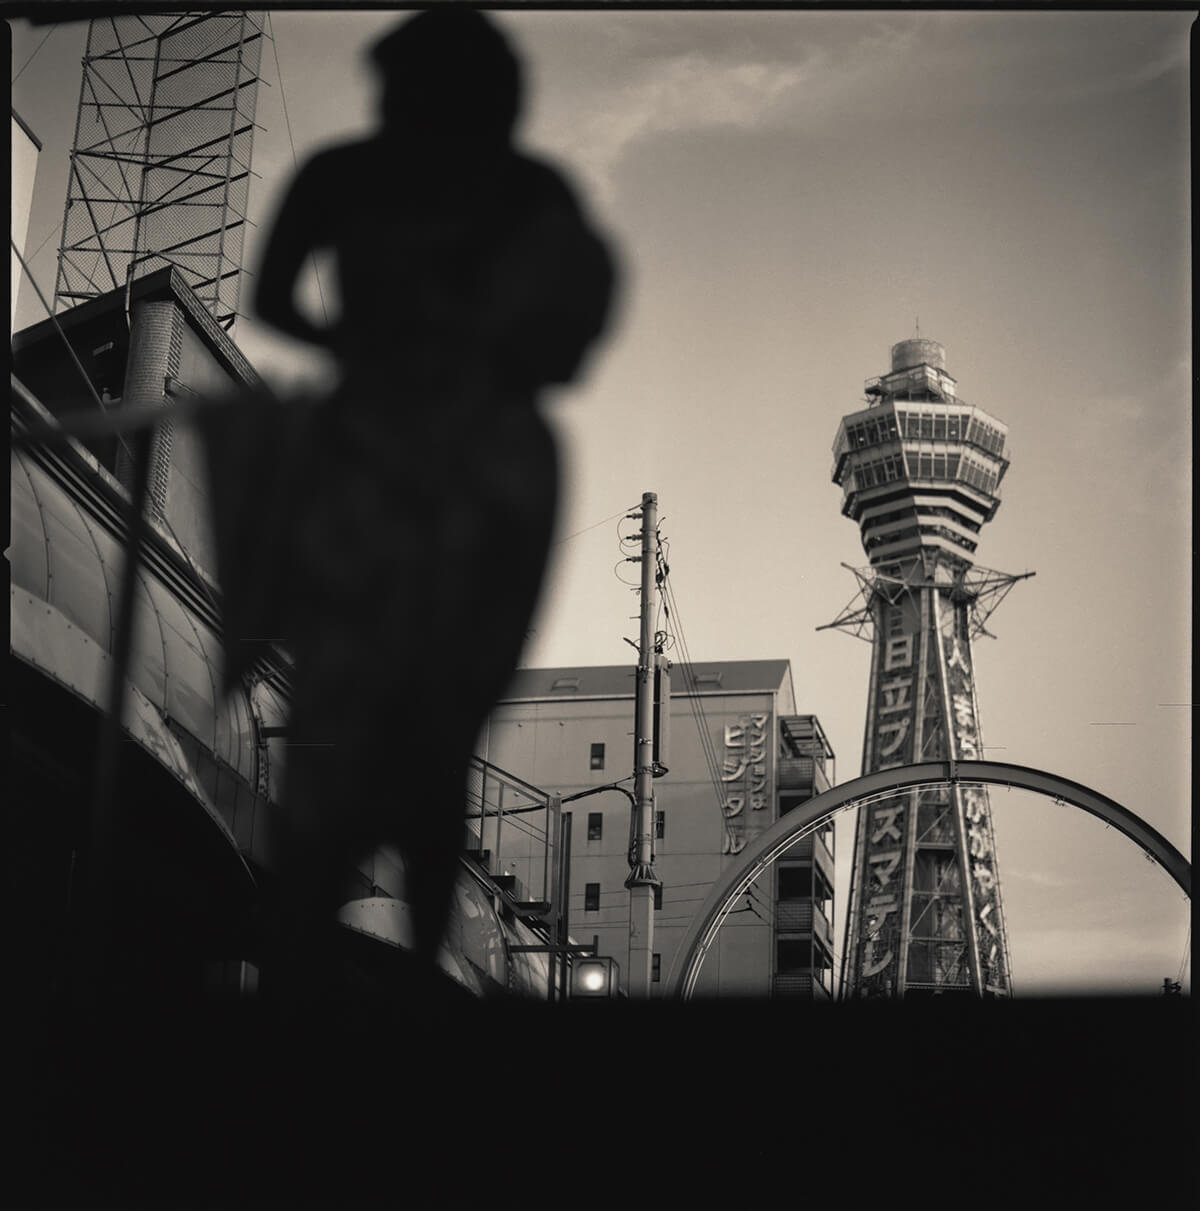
(920, 472)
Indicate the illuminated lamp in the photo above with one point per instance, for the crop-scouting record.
(594, 977)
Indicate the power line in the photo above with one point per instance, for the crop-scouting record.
(593, 526)
(35, 51)
(56, 228)
(694, 702)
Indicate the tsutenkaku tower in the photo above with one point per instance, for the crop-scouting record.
(160, 166)
(920, 471)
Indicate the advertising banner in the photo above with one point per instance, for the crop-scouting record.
(884, 824)
(745, 772)
(977, 817)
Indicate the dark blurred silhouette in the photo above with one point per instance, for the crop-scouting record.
(399, 529)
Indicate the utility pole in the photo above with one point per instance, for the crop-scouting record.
(642, 880)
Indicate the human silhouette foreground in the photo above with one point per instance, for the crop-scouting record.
(406, 519)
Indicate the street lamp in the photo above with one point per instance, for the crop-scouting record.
(595, 977)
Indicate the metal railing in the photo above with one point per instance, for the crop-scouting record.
(510, 828)
(793, 985)
(794, 916)
(801, 916)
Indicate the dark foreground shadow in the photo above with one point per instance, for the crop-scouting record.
(462, 1104)
(396, 533)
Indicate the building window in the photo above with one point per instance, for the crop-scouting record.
(793, 956)
(656, 968)
(658, 896)
(595, 825)
(795, 882)
(597, 759)
(591, 897)
(660, 825)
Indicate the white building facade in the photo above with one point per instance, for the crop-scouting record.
(737, 756)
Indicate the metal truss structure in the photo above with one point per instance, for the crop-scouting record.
(160, 165)
(982, 589)
(920, 471)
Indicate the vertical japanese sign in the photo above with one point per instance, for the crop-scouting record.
(977, 817)
(892, 714)
(744, 772)
(890, 728)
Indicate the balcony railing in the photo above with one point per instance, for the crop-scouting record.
(790, 985)
(794, 916)
(815, 847)
(801, 774)
(801, 916)
(800, 985)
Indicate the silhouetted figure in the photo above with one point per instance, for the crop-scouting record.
(414, 508)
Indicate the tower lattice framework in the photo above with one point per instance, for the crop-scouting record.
(920, 472)
(160, 165)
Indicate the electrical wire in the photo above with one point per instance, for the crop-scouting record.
(694, 702)
(629, 540)
(623, 894)
(624, 897)
(706, 745)
(57, 228)
(492, 812)
(634, 585)
(593, 526)
(578, 921)
(34, 55)
(58, 328)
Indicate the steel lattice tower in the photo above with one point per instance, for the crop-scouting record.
(920, 471)
(160, 165)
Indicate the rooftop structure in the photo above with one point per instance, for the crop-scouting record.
(160, 167)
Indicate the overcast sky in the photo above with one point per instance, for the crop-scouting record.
(788, 192)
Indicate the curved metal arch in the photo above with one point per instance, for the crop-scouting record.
(822, 808)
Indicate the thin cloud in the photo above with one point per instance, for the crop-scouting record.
(830, 73)
(686, 92)
(1039, 878)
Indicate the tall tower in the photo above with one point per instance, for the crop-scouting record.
(920, 471)
(160, 167)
